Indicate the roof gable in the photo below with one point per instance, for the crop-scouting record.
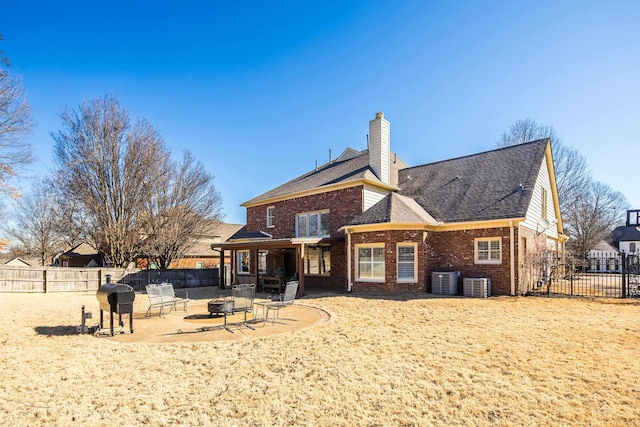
(394, 208)
(491, 185)
(351, 166)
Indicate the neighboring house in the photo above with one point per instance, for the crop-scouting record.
(367, 222)
(200, 254)
(81, 255)
(19, 262)
(626, 238)
(604, 258)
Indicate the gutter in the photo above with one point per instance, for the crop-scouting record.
(349, 282)
(512, 258)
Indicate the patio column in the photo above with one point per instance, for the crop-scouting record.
(301, 270)
(221, 276)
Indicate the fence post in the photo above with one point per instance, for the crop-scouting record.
(571, 265)
(44, 280)
(624, 274)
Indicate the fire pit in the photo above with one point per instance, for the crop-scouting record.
(219, 306)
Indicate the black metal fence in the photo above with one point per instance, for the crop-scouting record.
(614, 275)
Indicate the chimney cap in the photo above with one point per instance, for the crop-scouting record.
(379, 115)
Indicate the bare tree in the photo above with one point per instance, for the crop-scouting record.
(110, 167)
(186, 207)
(589, 209)
(571, 169)
(16, 124)
(34, 226)
(594, 214)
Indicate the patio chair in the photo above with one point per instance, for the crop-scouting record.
(241, 300)
(286, 300)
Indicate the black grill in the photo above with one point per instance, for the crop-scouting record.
(116, 298)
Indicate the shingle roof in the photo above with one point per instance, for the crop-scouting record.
(496, 184)
(394, 208)
(243, 234)
(219, 232)
(352, 165)
(624, 234)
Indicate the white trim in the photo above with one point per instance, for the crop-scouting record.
(318, 214)
(487, 261)
(270, 218)
(414, 245)
(357, 263)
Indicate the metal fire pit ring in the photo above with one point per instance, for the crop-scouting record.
(219, 306)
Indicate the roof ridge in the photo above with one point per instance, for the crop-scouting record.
(479, 154)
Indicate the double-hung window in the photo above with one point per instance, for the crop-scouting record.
(407, 266)
(271, 213)
(312, 224)
(488, 250)
(370, 262)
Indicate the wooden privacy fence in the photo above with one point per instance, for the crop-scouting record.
(58, 279)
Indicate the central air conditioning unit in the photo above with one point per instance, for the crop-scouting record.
(479, 287)
(444, 282)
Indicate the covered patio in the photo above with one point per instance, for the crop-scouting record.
(262, 260)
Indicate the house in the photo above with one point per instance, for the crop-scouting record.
(81, 255)
(21, 262)
(368, 222)
(626, 238)
(604, 258)
(200, 254)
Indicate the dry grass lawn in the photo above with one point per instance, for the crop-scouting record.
(414, 360)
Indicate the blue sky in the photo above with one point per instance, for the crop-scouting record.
(260, 91)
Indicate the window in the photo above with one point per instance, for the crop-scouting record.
(488, 251)
(243, 262)
(632, 247)
(271, 211)
(407, 271)
(313, 224)
(544, 196)
(371, 263)
(262, 262)
(317, 260)
(199, 264)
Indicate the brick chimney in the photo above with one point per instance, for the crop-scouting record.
(379, 146)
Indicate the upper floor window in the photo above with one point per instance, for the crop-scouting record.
(271, 212)
(312, 224)
(544, 196)
(488, 250)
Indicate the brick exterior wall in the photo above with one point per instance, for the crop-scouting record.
(343, 205)
(390, 239)
(454, 251)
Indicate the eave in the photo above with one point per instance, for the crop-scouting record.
(440, 227)
(320, 190)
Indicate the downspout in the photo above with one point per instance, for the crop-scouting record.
(349, 282)
(512, 257)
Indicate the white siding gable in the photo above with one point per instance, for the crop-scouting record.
(372, 195)
(533, 218)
